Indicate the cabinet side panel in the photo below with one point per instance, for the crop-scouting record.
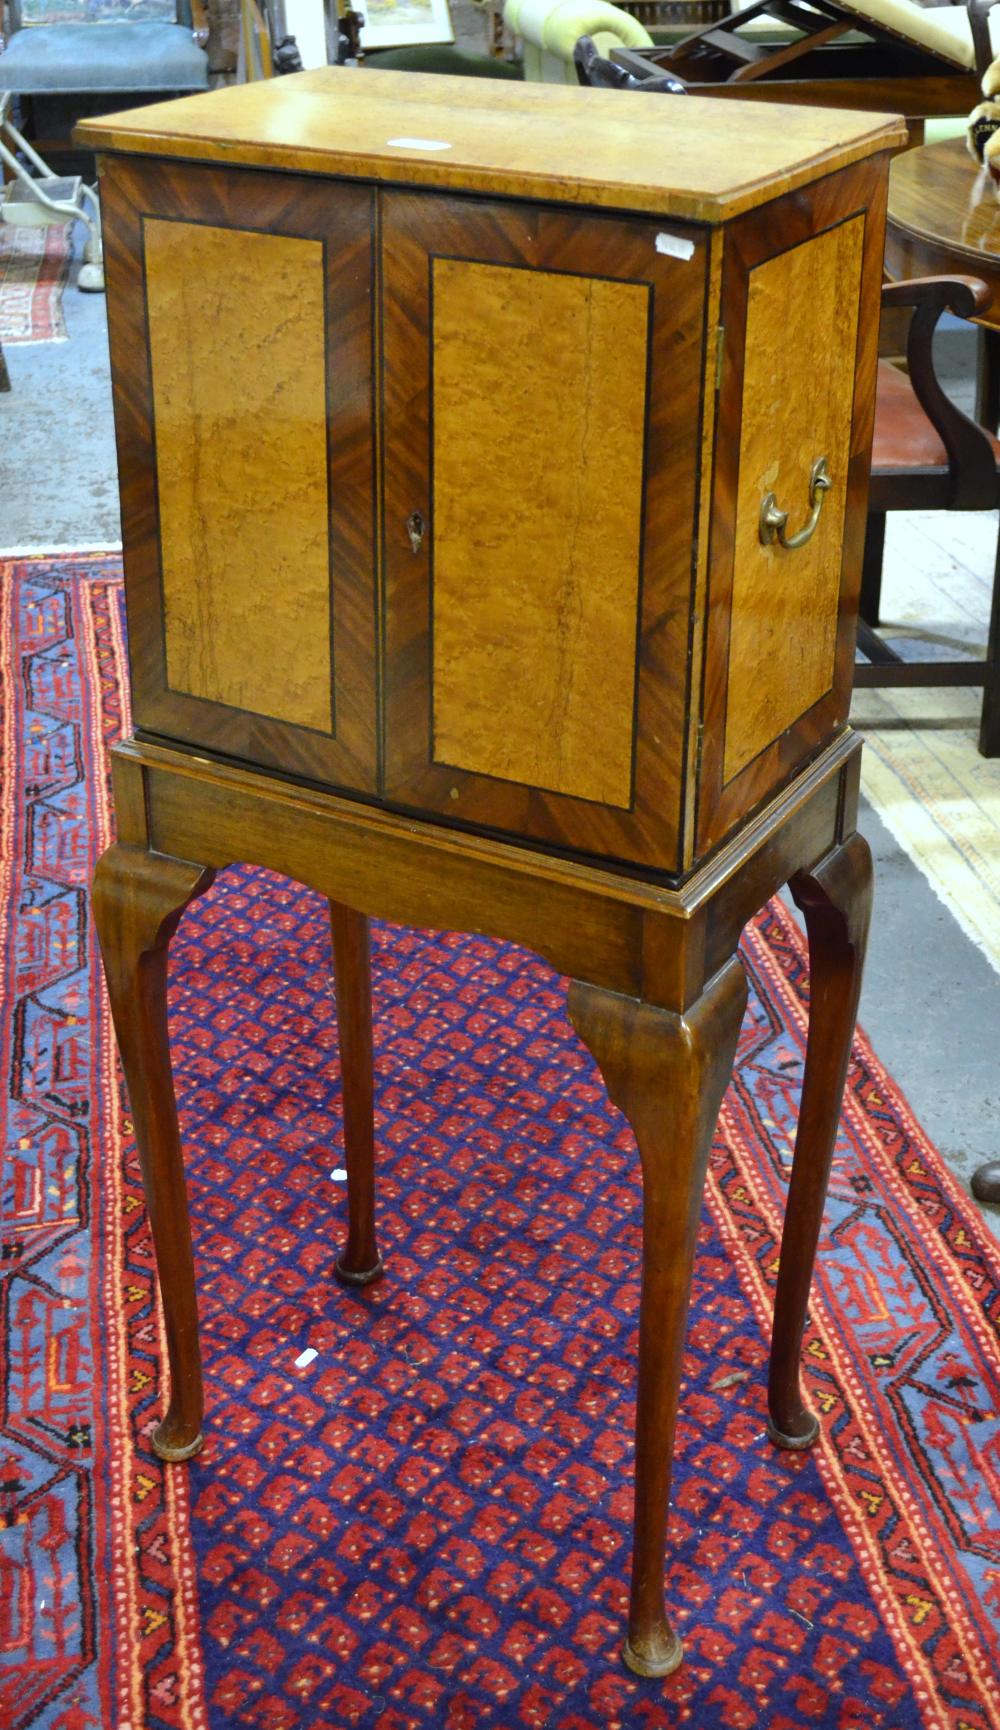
(536, 559)
(802, 326)
(797, 382)
(237, 346)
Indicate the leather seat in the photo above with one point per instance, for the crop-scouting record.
(904, 436)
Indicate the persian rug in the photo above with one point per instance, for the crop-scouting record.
(34, 267)
(413, 1507)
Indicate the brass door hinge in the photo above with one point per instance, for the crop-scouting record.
(720, 351)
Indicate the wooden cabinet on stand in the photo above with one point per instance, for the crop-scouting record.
(493, 466)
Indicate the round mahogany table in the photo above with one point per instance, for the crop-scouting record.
(944, 219)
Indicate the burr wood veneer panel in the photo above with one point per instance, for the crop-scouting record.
(536, 559)
(542, 390)
(798, 395)
(237, 342)
(258, 288)
(766, 616)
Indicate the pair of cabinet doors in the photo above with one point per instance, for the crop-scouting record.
(419, 497)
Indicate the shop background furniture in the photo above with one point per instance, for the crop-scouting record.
(34, 197)
(61, 68)
(927, 455)
(596, 73)
(449, 62)
(47, 52)
(601, 714)
(548, 34)
(920, 61)
(684, 15)
(944, 217)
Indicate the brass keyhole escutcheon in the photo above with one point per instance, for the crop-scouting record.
(415, 527)
(773, 520)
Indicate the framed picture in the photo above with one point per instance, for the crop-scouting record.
(405, 23)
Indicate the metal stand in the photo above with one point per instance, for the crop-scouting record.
(42, 202)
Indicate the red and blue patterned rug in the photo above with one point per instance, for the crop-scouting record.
(34, 267)
(427, 1525)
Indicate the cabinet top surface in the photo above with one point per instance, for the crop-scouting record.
(621, 149)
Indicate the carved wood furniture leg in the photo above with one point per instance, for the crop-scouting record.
(138, 900)
(360, 1263)
(667, 1072)
(985, 1183)
(988, 380)
(836, 899)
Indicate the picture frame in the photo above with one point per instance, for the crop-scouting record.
(405, 23)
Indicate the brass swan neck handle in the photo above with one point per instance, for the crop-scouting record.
(773, 520)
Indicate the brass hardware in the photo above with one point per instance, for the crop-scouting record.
(773, 520)
(720, 353)
(415, 526)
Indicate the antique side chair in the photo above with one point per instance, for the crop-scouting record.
(87, 51)
(928, 456)
(87, 47)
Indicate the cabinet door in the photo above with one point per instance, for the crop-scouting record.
(240, 312)
(542, 386)
(801, 283)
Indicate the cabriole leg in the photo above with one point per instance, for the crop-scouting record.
(360, 1263)
(667, 1072)
(138, 900)
(836, 900)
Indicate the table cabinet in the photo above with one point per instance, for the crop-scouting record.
(493, 465)
(455, 501)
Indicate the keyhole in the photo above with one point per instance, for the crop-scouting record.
(415, 529)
